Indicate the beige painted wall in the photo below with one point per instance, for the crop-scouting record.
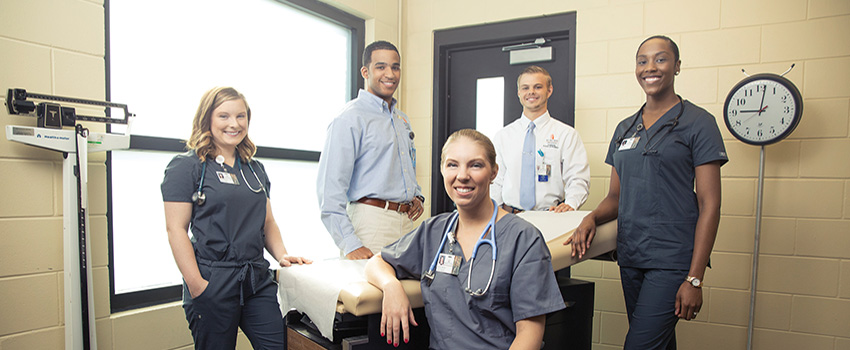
(804, 288)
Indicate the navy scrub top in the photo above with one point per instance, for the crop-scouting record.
(523, 284)
(658, 208)
(230, 224)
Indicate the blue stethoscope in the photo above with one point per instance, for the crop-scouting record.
(481, 240)
(199, 196)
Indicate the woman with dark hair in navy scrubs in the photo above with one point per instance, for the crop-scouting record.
(665, 195)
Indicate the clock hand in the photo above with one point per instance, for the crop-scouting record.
(754, 113)
(753, 110)
(761, 105)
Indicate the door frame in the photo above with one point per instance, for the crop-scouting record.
(447, 41)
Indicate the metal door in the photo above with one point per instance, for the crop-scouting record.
(468, 91)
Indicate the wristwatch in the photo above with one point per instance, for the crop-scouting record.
(694, 281)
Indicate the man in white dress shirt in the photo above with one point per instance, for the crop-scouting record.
(560, 173)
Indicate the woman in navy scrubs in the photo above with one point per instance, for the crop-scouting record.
(665, 195)
(219, 192)
(468, 308)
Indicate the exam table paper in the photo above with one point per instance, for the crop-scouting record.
(321, 301)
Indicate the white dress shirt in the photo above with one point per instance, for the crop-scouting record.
(569, 178)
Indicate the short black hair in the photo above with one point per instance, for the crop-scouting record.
(672, 44)
(378, 45)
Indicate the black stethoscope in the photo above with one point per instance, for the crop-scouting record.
(449, 234)
(200, 198)
(646, 146)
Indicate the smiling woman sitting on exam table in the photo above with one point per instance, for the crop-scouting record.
(502, 301)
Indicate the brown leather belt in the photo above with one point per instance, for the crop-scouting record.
(511, 209)
(380, 203)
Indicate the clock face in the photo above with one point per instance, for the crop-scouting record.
(763, 109)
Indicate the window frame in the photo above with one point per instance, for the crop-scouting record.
(156, 296)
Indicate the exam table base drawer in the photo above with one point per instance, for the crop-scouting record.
(297, 341)
(353, 333)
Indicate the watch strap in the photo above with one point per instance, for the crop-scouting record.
(691, 280)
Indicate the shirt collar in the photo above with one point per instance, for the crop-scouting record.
(372, 98)
(541, 120)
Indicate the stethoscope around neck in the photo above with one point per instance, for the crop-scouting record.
(450, 235)
(200, 198)
(647, 149)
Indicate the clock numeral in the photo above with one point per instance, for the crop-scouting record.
(784, 98)
(772, 130)
(733, 112)
(759, 133)
(749, 92)
(737, 123)
(787, 109)
(747, 131)
(760, 88)
(742, 101)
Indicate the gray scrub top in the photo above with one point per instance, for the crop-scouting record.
(230, 224)
(658, 208)
(523, 284)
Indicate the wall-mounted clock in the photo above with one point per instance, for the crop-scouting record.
(763, 109)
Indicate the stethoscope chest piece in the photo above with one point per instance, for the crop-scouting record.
(199, 197)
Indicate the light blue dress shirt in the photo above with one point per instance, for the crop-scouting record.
(368, 153)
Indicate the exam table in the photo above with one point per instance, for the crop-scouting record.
(330, 305)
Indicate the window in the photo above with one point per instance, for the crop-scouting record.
(161, 56)
(489, 105)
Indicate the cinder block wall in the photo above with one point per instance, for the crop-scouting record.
(804, 289)
(803, 299)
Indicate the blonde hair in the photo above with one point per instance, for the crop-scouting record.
(532, 70)
(475, 136)
(201, 140)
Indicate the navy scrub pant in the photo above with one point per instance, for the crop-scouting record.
(215, 314)
(651, 305)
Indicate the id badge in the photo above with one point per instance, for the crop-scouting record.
(544, 169)
(629, 143)
(227, 178)
(543, 172)
(448, 263)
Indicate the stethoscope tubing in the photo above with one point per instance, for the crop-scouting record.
(199, 197)
(481, 240)
(671, 124)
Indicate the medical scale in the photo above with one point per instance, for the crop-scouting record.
(53, 114)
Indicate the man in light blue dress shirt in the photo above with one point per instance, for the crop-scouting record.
(366, 186)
